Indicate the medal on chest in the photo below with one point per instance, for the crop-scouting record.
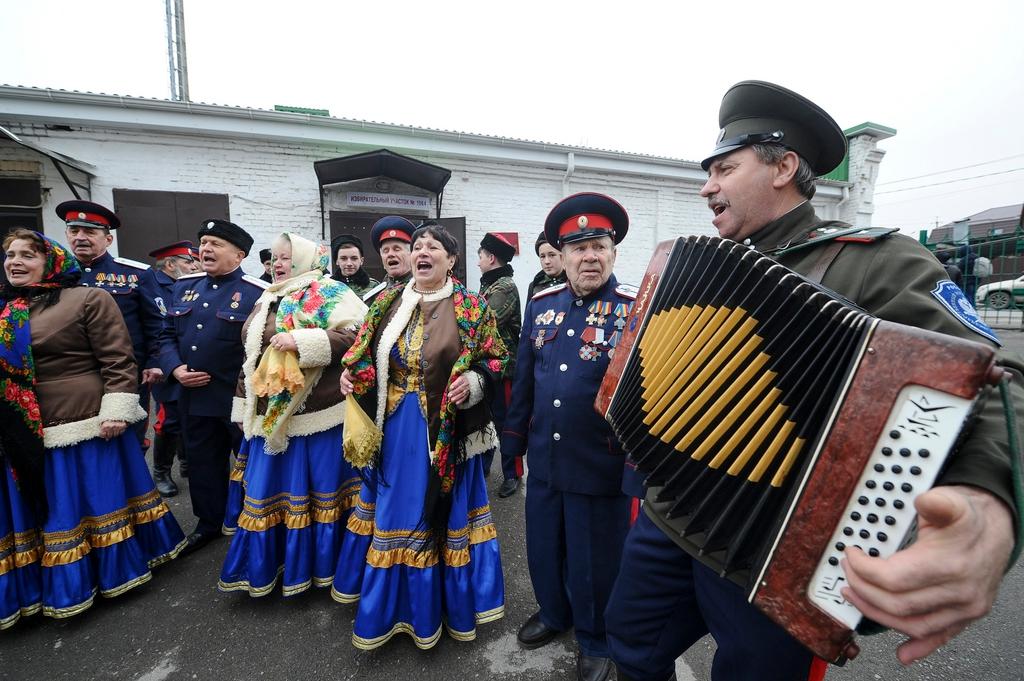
(236, 300)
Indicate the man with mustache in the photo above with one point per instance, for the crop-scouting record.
(88, 232)
(761, 175)
(201, 352)
(392, 238)
(576, 513)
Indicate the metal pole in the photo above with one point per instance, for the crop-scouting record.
(170, 50)
(177, 61)
(182, 57)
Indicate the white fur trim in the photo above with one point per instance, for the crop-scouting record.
(314, 347)
(113, 407)
(311, 423)
(476, 390)
(121, 407)
(481, 441)
(237, 409)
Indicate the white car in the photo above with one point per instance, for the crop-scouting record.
(1000, 295)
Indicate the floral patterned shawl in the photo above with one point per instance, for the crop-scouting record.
(479, 341)
(21, 424)
(309, 299)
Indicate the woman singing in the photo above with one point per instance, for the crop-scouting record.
(420, 549)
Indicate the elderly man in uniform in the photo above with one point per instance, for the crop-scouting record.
(576, 513)
(347, 256)
(201, 351)
(392, 238)
(551, 271)
(172, 262)
(499, 290)
(761, 178)
(88, 232)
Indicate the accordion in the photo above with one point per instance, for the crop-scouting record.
(781, 424)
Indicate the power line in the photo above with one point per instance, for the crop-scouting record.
(961, 179)
(949, 170)
(944, 194)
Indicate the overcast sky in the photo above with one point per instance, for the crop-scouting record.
(630, 76)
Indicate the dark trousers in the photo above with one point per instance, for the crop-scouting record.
(573, 547)
(142, 426)
(167, 429)
(664, 602)
(209, 441)
(511, 466)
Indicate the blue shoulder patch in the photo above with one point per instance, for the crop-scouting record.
(954, 300)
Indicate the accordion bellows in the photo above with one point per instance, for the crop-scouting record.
(754, 400)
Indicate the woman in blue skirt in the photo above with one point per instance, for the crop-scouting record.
(79, 514)
(297, 489)
(420, 549)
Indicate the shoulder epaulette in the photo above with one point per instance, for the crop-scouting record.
(868, 234)
(627, 291)
(131, 263)
(195, 275)
(864, 235)
(255, 281)
(548, 291)
(374, 291)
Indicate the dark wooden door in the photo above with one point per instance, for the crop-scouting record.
(150, 219)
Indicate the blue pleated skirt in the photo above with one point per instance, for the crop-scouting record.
(236, 490)
(399, 587)
(107, 527)
(293, 515)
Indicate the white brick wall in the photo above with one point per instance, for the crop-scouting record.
(272, 187)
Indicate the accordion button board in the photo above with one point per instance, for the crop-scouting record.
(879, 517)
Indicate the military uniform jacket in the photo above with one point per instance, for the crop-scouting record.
(129, 282)
(155, 304)
(895, 278)
(502, 297)
(85, 369)
(371, 294)
(542, 281)
(564, 350)
(203, 330)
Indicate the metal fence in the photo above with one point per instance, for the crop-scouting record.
(991, 275)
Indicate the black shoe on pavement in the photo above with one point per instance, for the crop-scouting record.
(198, 540)
(509, 487)
(534, 633)
(589, 668)
(165, 483)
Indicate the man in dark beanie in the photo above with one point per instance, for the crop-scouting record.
(347, 256)
(552, 272)
(265, 258)
(201, 350)
(499, 290)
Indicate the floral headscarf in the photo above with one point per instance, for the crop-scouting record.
(21, 424)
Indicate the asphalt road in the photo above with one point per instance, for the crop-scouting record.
(180, 627)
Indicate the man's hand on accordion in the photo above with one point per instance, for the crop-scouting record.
(944, 581)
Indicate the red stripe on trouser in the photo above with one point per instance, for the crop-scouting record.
(158, 427)
(634, 510)
(508, 392)
(818, 669)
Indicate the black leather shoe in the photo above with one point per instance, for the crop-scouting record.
(198, 540)
(590, 668)
(534, 633)
(165, 483)
(508, 488)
